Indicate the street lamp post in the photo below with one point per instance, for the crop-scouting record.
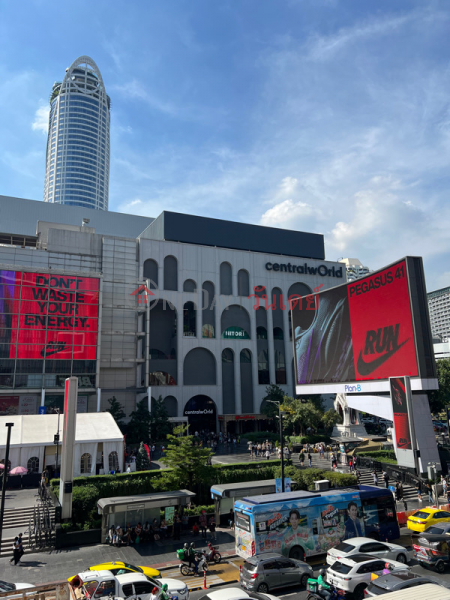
(5, 473)
(280, 416)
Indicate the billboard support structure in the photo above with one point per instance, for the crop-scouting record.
(412, 428)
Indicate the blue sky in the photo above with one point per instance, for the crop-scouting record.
(329, 116)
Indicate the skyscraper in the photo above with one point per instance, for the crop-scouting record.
(77, 162)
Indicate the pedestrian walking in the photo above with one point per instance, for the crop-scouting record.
(203, 523)
(386, 479)
(16, 552)
(358, 476)
(267, 454)
(309, 459)
(21, 550)
(444, 486)
(419, 491)
(212, 528)
(375, 477)
(430, 493)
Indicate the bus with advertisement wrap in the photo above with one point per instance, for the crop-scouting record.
(302, 524)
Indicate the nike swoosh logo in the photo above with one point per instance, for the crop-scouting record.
(366, 368)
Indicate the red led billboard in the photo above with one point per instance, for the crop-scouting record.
(364, 331)
(48, 316)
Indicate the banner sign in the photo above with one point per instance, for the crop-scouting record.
(400, 410)
(366, 330)
(48, 316)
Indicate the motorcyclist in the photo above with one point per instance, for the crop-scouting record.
(191, 556)
(324, 588)
(164, 594)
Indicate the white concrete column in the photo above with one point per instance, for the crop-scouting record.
(42, 397)
(68, 444)
(288, 348)
(99, 399)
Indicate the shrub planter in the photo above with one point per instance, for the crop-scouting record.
(77, 538)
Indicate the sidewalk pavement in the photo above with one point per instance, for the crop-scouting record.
(55, 565)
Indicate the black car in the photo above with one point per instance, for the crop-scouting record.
(399, 581)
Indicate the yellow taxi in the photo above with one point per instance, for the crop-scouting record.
(118, 567)
(425, 517)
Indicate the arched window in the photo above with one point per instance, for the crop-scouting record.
(235, 323)
(280, 367)
(246, 381)
(228, 391)
(171, 404)
(151, 272)
(113, 461)
(226, 285)
(243, 283)
(299, 290)
(86, 463)
(163, 349)
(189, 286)
(208, 310)
(189, 320)
(261, 333)
(33, 464)
(199, 367)
(170, 273)
(278, 333)
(263, 368)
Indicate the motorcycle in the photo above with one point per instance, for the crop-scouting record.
(200, 558)
(213, 555)
(335, 594)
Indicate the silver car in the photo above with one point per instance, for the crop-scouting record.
(400, 581)
(267, 572)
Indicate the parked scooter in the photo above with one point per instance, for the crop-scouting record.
(212, 555)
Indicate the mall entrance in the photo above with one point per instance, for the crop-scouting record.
(201, 412)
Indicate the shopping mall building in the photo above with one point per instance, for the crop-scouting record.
(191, 309)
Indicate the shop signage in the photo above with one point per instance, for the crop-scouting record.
(205, 411)
(321, 270)
(235, 333)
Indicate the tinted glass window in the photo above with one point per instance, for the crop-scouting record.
(250, 566)
(421, 515)
(285, 564)
(339, 567)
(242, 521)
(127, 590)
(435, 530)
(269, 566)
(344, 547)
(143, 587)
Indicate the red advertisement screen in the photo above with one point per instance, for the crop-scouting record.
(400, 409)
(381, 325)
(49, 316)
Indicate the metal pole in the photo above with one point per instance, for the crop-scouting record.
(5, 471)
(282, 447)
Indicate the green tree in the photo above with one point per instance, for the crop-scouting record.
(142, 461)
(302, 415)
(139, 425)
(159, 421)
(440, 398)
(116, 409)
(330, 418)
(273, 393)
(188, 461)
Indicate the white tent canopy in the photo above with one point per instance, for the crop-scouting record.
(32, 434)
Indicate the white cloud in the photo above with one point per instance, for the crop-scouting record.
(40, 122)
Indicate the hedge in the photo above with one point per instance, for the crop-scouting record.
(261, 436)
(309, 439)
(379, 454)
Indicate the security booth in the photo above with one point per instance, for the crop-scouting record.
(224, 496)
(139, 508)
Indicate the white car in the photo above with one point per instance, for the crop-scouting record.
(364, 545)
(353, 574)
(236, 594)
(10, 587)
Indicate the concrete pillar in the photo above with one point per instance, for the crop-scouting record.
(99, 399)
(42, 397)
(270, 348)
(68, 443)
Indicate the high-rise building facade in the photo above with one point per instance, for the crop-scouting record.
(439, 308)
(78, 150)
(355, 269)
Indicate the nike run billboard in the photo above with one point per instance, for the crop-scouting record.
(352, 338)
(46, 315)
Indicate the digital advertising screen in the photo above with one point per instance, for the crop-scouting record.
(400, 411)
(357, 335)
(48, 316)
